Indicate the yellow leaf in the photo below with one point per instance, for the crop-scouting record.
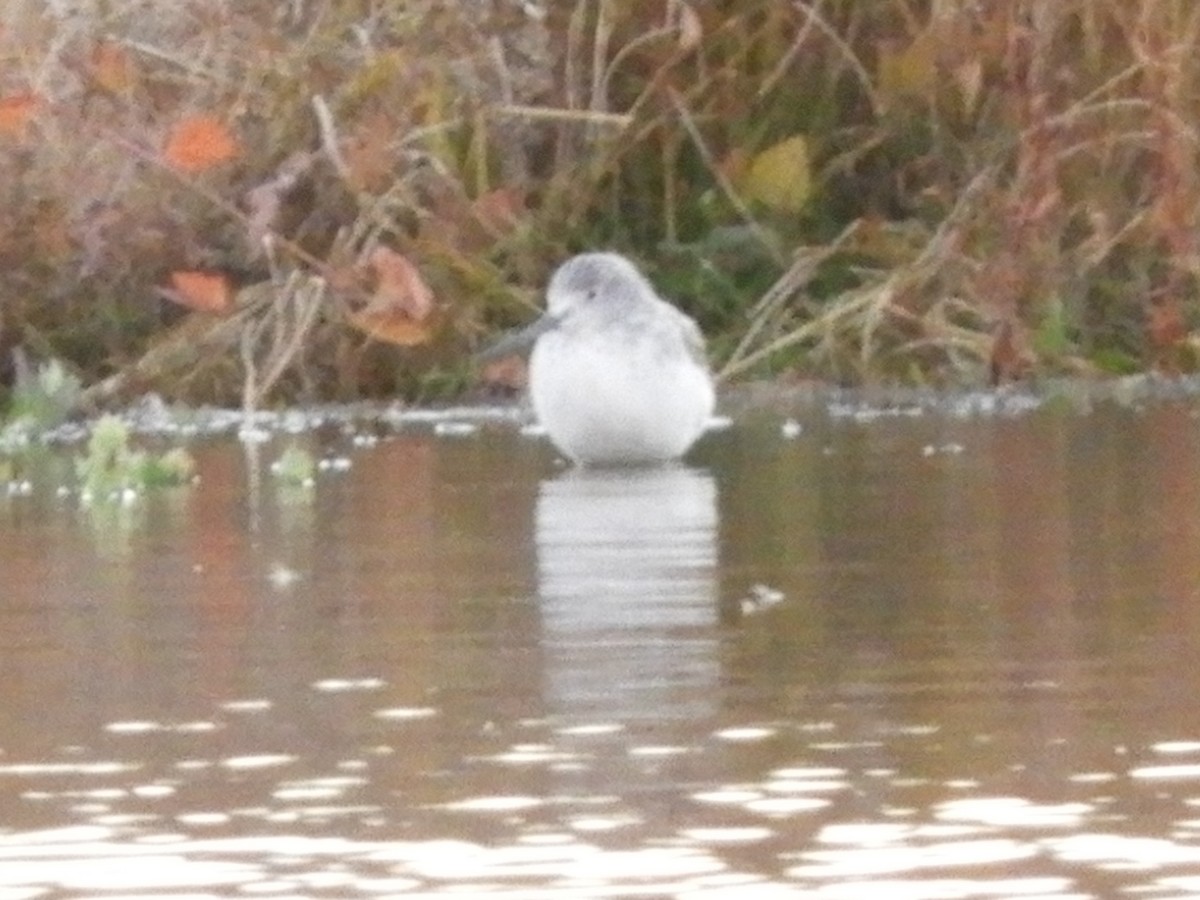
(780, 176)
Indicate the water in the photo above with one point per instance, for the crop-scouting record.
(898, 654)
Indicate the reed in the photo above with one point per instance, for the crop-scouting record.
(845, 190)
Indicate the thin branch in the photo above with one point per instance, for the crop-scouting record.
(329, 138)
(598, 101)
(585, 116)
(785, 62)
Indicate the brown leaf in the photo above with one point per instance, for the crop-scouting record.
(50, 232)
(499, 210)
(368, 154)
(510, 372)
(111, 68)
(1165, 324)
(399, 310)
(394, 328)
(201, 291)
(399, 286)
(198, 143)
(15, 112)
(1009, 360)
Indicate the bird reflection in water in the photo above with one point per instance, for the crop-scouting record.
(627, 565)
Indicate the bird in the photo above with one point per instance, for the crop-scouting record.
(617, 375)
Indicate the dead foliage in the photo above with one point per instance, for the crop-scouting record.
(344, 199)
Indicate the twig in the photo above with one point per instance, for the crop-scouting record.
(785, 62)
(598, 101)
(329, 139)
(586, 116)
(291, 316)
(636, 43)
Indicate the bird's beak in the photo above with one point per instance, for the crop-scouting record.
(519, 342)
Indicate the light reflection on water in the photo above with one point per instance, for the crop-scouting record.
(891, 656)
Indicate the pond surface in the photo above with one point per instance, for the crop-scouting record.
(900, 653)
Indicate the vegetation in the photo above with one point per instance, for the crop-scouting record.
(113, 472)
(264, 201)
(295, 467)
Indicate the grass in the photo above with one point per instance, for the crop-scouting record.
(848, 190)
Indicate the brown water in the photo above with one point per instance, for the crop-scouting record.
(894, 656)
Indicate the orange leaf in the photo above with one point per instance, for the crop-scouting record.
(203, 291)
(394, 328)
(198, 143)
(15, 112)
(399, 286)
(111, 68)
